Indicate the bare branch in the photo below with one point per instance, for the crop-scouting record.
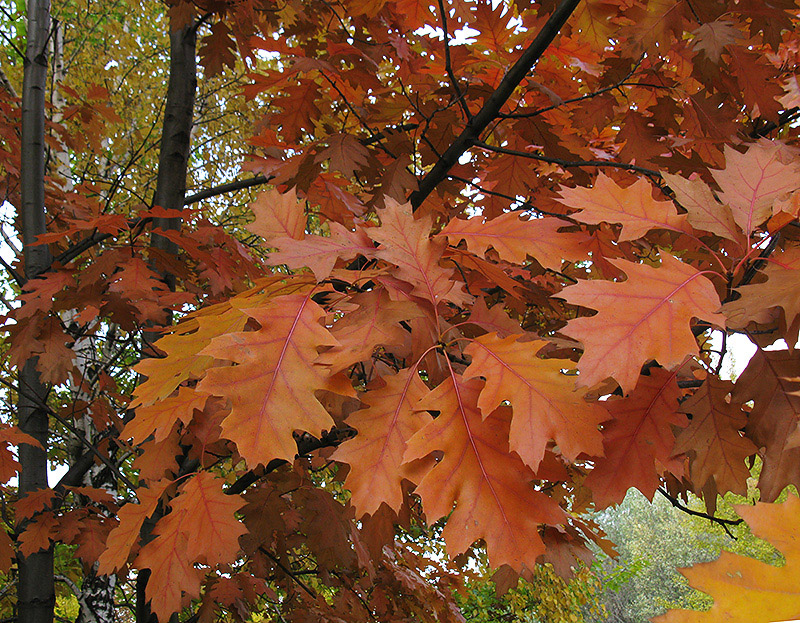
(725, 523)
(568, 163)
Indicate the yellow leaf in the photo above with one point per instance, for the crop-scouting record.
(747, 590)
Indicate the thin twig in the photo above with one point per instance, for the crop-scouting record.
(89, 445)
(448, 65)
(568, 163)
(21, 281)
(288, 572)
(580, 98)
(725, 523)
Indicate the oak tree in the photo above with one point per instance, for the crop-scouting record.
(479, 289)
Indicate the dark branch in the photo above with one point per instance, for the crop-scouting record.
(305, 445)
(17, 277)
(568, 163)
(580, 98)
(491, 108)
(725, 523)
(226, 188)
(448, 64)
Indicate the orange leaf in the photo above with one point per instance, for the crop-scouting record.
(515, 239)
(638, 441)
(278, 215)
(375, 323)
(34, 502)
(545, 403)
(712, 38)
(37, 534)
(712, 437)
(771, 382)
(782, 289)
(405, 243)
(746, 590)
(752, 181)
(635, 315)
(205, 509)
(376, 453)
(319, 253)
(184, 344)
(204, 516)
(703, 210)
(159, 418)
(490, 486)
(122, 539)
(632, 206)
(183, 347)
(272, 387)
(174, 580)
(346, 154)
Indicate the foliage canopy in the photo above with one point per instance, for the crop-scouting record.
(481, 287)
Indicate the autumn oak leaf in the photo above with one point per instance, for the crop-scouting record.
(634, 315)
(346, 154)
(718, 449)
(703, 210)
(639, 439)
(752, 181)
(544, 400)
(490, 486)
(405, 243)
(203, 515)
(772, 381)
(319, 253)
(271, 387)
(123, 538)
(633, 207)
(376, 454)
(278, 215)
(514, 239)
(375, 323)
(746, 590)
(782, 289)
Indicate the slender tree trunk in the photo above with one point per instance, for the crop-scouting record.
(170, 191)
(96, 596)
(176, 135)
(35, 592)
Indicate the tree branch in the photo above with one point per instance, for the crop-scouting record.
(448, 64)
(21, 281)
(725, 523)
(229, 187)
(305, 445)
(580, 98)
(568, 163)
(491, 108)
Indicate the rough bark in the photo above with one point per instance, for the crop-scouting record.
(96, 593)
(170, 193)
(35, 591)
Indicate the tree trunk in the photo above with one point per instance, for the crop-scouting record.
(176, 135)
(35, 591)
(170, 191)
(96, 596)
